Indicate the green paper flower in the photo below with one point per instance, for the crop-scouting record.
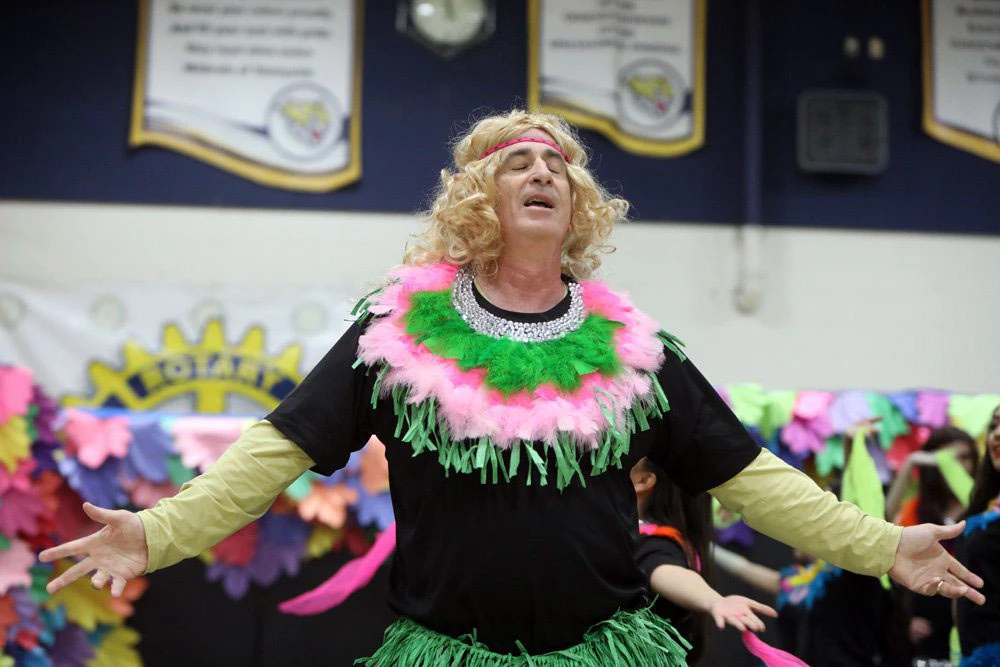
(178, 472)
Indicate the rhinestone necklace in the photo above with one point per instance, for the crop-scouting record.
(485, 322)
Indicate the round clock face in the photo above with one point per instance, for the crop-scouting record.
(448, 22)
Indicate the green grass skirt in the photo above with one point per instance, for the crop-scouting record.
(627, 639)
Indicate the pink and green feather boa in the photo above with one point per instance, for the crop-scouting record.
(461, 396)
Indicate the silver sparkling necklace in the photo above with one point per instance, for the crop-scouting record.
(463, 297)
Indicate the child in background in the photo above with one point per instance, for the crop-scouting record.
(675, 533)
(979, 546)
(946, 464)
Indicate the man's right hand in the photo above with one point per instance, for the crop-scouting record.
(117, 551)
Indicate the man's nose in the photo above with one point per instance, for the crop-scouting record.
(540, 172)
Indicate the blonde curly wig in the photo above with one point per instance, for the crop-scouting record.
(462, 225)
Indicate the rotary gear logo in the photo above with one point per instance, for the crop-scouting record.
(208, 370)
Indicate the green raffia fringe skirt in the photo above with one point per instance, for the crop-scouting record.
(627, 639)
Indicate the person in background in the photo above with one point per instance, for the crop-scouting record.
(830, 617)
(675, 535)
(941, 498)
(979, 547)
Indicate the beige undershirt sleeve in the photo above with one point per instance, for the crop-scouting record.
(236, 490)
(784, 503)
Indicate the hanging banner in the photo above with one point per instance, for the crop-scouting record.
(961, 65)
(266, 89)
(634, 71)
(173, 349)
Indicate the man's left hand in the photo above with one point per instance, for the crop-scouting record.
(925, 567)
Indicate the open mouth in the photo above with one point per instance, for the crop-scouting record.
(537, 202)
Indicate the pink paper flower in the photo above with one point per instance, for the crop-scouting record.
(15, 566)
(16, 390)
(202, 440)
(19, 512)
(93, 440)
(145, 494)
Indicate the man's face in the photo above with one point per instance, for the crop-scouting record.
(533, 191)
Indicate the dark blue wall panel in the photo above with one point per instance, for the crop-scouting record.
(66, 85)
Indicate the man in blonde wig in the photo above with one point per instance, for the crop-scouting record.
(514, 393)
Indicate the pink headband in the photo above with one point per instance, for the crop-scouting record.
(522, 140)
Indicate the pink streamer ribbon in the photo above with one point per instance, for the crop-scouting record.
(772, 657)
(352, 576)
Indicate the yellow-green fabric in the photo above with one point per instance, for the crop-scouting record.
(784, 503)
(236, 490)
(955, 475)
(774, 499)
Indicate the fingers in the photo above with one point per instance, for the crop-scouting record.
(118, 586)
(100, 579)
(762, 608)
(78, 547)
(753, 623)
(948, 532)
(963, 573)
(952, 587)
(98, 514)
(733, 621)
(742, 621)
(70, 575)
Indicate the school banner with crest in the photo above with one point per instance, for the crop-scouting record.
(172, 349)
(634, 71)
(961, 70)
(265, 89)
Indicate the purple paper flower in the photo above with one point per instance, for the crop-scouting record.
(281, 546)
(932, 408)
(881, 462)
(235, 580)
(100, 486)
(738, 533)
(48, 411)
(847, 409)
(44, 454)
(273, 559)
(151, 447)
(71, 648)
(372, 509)
(28, 613)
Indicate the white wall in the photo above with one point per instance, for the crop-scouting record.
(840, 309)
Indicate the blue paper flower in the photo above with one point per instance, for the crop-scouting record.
(151, 448)
(100, 485)
(54, 620)
(906, 402)
(372, 509)
(71, 648)
(36, 657)
(285, 529)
